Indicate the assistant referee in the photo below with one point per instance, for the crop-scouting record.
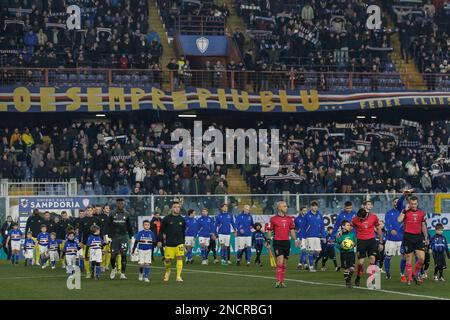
(173, 229)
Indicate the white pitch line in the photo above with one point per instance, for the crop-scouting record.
(314, 283)
(259, 277)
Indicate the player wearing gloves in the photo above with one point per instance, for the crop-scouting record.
(120, 229)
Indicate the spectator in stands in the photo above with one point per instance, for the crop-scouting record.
(239, 37)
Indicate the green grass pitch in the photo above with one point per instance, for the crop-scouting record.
(209, 282)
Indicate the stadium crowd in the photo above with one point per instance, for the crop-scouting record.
(317, 157)
(316, 35)
(113, 34)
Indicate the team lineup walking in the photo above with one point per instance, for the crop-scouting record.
(101, 239)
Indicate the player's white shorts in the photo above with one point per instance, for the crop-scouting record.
(243, 242)
(204, 241)
(393, 248)
(303, 244)
(29, 254)
(71, 260)
(54, 256)
(189, 241)
(80, 254)
(43, 249)
(95, 255)
(313, 244)
(15, 245)
(145, 256)
(224, 240)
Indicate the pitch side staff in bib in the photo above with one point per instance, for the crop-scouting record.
(415, 237)
(119, 230)
(281, 225)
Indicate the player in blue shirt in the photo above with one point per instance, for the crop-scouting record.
(313, 233)
(439, 247)
(244, 224)
(224, 224)
(28, 249)
(381, 255)
(258, 241)
(144, 242)
(94, 251)
(298, 222)
(80, 255)
(328, 251)
(206, 232)
(190, 235)
(394, 237)
(53, 250)
(43, 240)
(70, 251)
(14, 239)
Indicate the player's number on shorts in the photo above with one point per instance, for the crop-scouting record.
(374, 279)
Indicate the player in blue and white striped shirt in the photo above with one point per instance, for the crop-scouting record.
(14, 238)
(144, 242)
(94, 250)
(43, 240)
(28, 249)
(70, 251)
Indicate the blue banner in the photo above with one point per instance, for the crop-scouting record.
(204, 45)
(108, 99)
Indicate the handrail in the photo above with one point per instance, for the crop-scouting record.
(235, 79)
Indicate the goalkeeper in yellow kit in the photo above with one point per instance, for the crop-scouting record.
(173, 229)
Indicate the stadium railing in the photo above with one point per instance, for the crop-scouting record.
(225, 79)
(139, 205)
(201, 25)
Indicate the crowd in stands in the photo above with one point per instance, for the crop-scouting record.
(315, 157)
(113, 34)
(185, 15)
(424, 30)
(316, 35)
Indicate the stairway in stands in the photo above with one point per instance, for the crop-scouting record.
(157, 25)
(409, 73)
(237, 185)
(234, 21)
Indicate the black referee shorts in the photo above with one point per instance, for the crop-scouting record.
(282, 248)
(366, 248)
(413, 242)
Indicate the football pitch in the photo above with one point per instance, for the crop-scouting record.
(214, 282)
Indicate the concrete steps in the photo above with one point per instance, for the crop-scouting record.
(409, 73)
(156, 23)
(237, 185)
(235, 22)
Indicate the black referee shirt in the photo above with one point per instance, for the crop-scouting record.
(173, 227)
